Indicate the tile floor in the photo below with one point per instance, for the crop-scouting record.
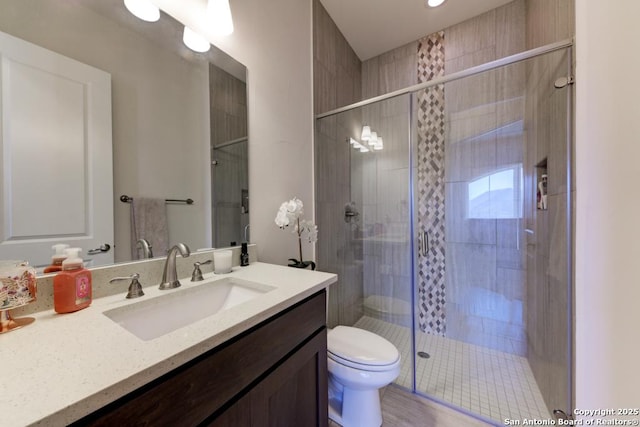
(487, 382)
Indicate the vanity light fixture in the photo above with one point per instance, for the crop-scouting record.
(219, 16)
(366, 133)
(358, 146)
(434, 3)
(143, 9)
(374, 139)
(195, 41)
(369, 137)
(379, 145)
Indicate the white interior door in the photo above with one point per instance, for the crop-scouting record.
(55, 152)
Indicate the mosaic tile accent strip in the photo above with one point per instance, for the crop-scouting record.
(431, 187)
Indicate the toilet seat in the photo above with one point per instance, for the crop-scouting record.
(361, 349)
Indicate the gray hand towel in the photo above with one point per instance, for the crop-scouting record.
(149, 221)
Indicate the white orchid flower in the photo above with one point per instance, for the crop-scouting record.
(290, 213)
(294, 207)
(282, 219)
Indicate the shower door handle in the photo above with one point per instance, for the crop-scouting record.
(423, 244)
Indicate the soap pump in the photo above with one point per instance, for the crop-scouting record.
(59, 255)
(244, 255)
(72, 285)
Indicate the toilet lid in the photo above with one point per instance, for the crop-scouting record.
(361, 347)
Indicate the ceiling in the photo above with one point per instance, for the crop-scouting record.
(373, 27)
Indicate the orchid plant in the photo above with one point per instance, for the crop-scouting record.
(290, 213)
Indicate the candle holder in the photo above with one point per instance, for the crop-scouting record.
(222, 261)
(17, 288)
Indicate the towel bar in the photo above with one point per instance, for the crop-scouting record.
(126, 199)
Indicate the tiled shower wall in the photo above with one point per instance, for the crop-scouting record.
(336, 70)
(228, 109)
(381, 191)
(483, 296)
(546, 246)
(228, 119)
(484, 114)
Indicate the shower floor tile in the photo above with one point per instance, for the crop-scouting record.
(487, 382)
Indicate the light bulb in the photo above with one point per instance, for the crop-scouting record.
(434, 3)
(195, 41)
(374, 138)
(219, 16)
(366, 133)
(143, 9)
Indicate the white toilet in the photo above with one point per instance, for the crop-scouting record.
(360, 363)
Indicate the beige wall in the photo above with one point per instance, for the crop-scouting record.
(273, 40)
(607, 233)
(160, 111)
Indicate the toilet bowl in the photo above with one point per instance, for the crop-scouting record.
(359, 363)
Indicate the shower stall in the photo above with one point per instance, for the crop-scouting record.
(445, 210)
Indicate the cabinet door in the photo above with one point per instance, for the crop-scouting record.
(294, 394)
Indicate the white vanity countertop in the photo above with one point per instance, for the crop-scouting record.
(65, 366)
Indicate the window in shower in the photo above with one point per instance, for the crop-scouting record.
(497, 195)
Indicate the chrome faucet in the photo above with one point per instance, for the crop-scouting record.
(147, 249)
(170, 275)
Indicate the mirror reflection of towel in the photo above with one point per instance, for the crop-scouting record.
(149, 221)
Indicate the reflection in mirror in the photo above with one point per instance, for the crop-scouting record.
(179, 123)
(229, 157)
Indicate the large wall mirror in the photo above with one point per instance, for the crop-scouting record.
(178, 131)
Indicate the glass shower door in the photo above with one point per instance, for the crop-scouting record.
(492, 335)
(381, 187)
(363, 212)
(452, 240)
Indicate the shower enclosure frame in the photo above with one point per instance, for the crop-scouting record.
(567, 45)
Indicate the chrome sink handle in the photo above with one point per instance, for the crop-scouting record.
(135, 289)
(196, 276)
(169, 274)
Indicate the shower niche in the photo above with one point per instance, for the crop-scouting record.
(542, 178)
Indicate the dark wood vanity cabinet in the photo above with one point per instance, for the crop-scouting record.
(274, 374)
(284, 397)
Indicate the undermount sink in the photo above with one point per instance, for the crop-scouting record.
(155, 317)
